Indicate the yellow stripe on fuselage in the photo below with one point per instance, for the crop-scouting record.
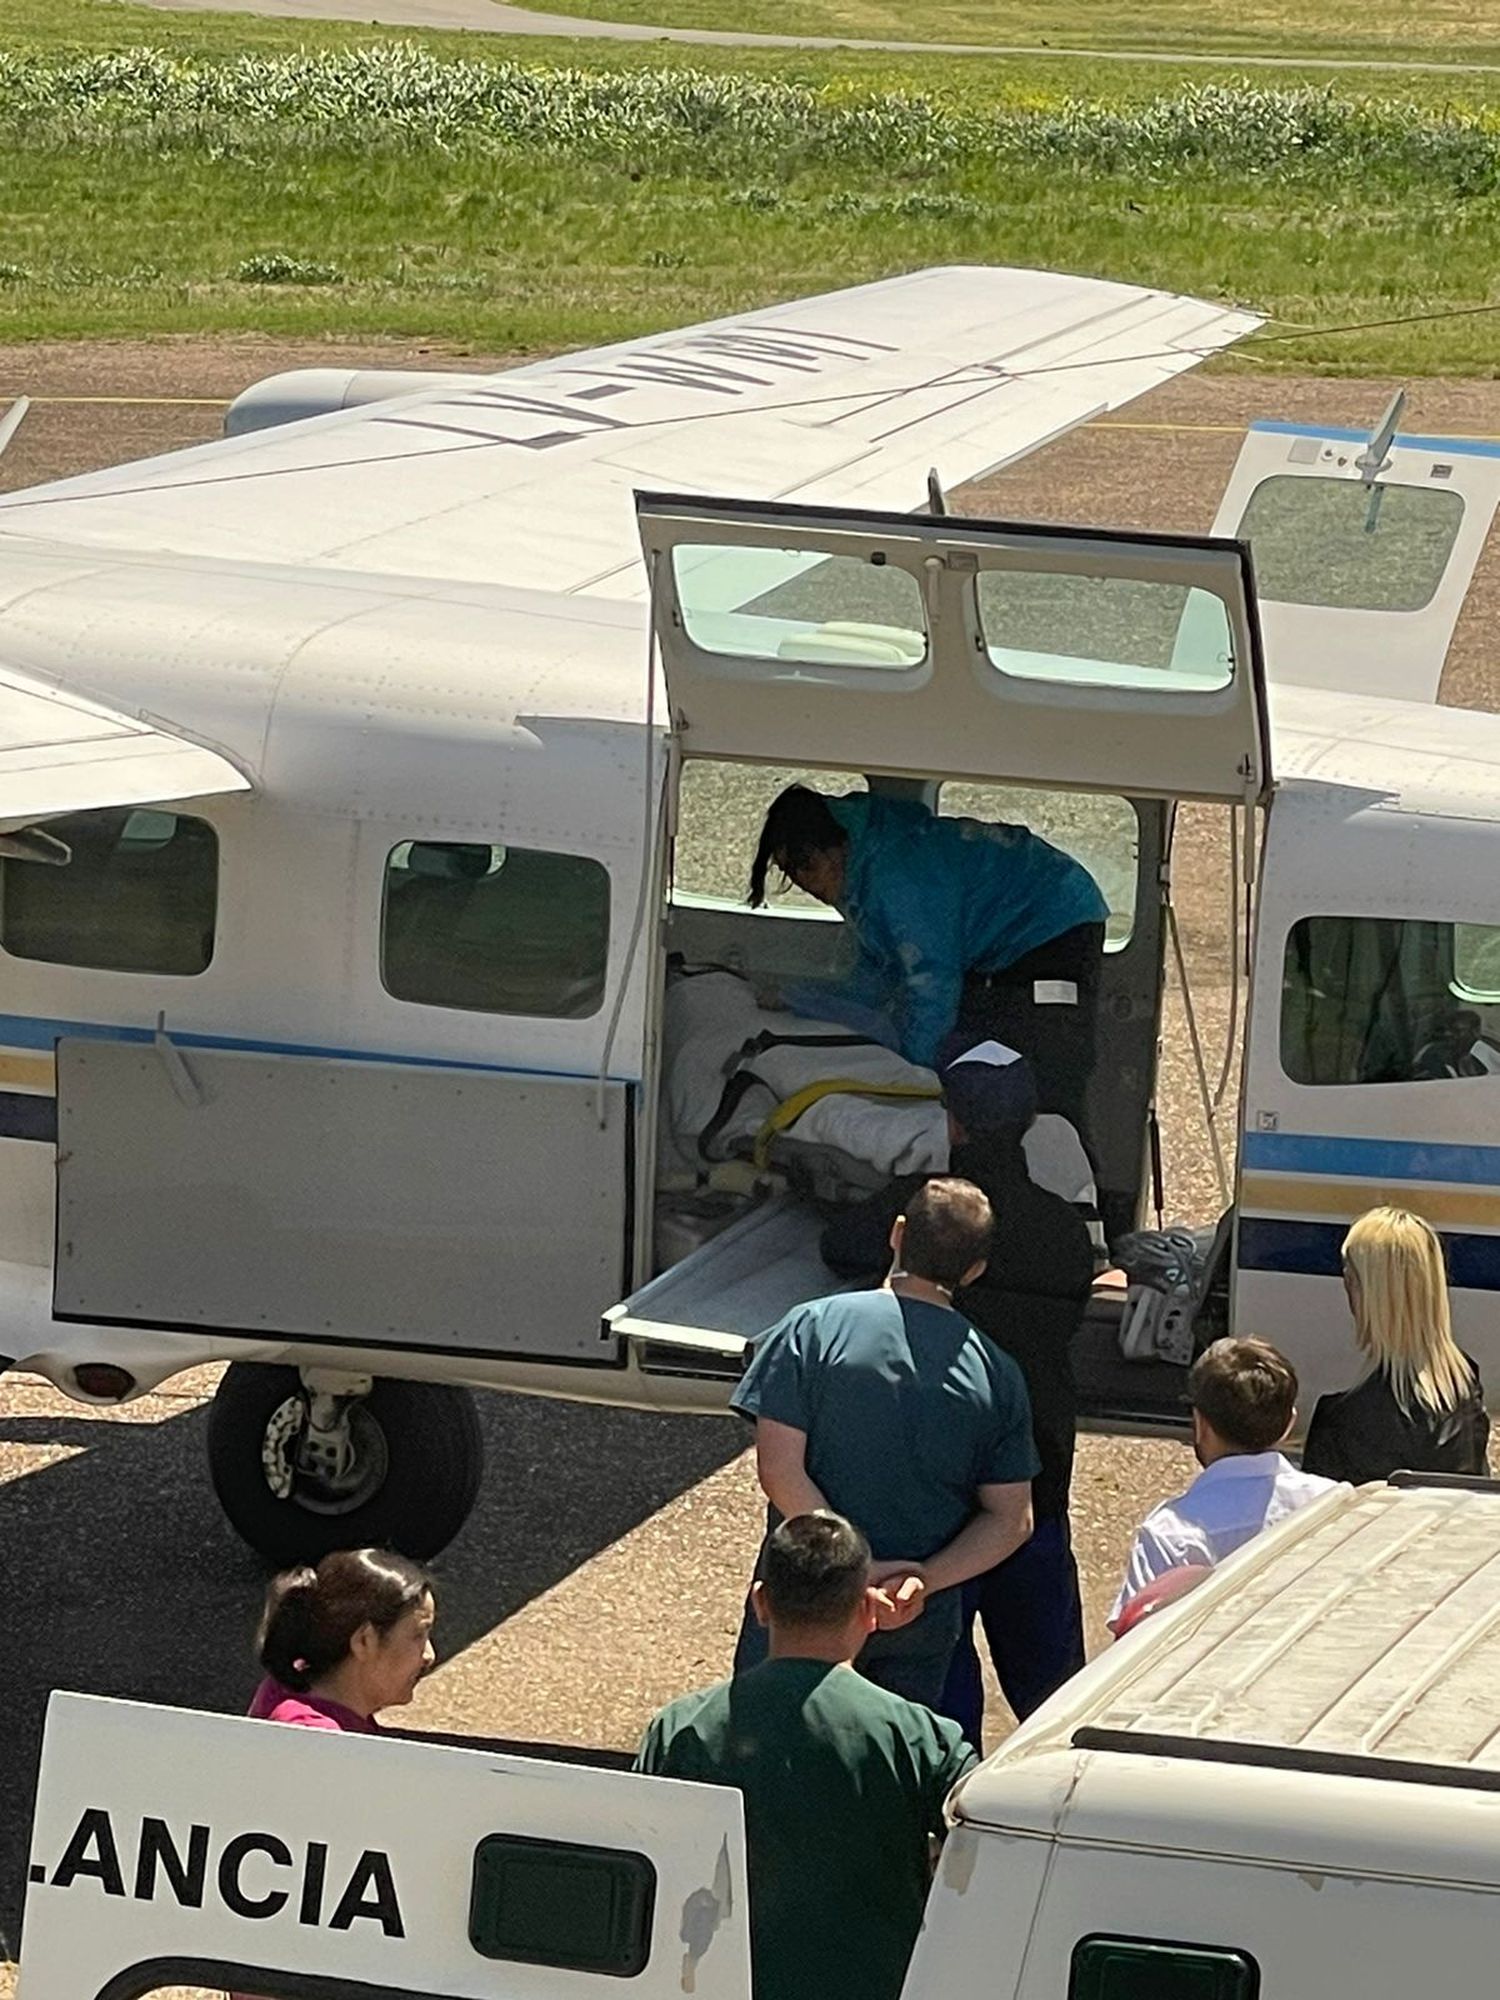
(25, 1069)
(1343, 1200)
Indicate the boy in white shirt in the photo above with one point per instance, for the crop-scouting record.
(1244, 1398)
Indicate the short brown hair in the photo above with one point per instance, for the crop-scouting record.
(815, 1569)
(1247, 1390)
(949, 1224)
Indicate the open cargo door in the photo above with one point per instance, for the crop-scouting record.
(932, 646)
(1364, 547)
(174, 1850)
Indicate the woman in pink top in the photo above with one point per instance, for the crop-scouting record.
(341, 1642)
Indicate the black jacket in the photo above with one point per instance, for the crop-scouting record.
(1030, 1301)
(1363, 1433)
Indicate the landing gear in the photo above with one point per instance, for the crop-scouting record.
(303, 1465)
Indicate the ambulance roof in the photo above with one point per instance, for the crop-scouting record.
(1360, 1640)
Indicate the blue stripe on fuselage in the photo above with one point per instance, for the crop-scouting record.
(31, 1031)
(1372, 1159)
(1458, 447)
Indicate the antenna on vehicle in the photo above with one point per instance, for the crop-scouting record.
(12, 421)
(1376, 457)
(937, 502)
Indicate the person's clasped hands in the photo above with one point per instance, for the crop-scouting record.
(900, 1593)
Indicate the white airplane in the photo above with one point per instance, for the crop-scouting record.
(357, 778)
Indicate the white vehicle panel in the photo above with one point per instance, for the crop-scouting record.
(171, 1848)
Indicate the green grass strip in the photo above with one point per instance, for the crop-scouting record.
(402, 94)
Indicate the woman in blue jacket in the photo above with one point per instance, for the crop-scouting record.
(958, 922)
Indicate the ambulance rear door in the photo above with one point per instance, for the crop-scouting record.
(171, 1849)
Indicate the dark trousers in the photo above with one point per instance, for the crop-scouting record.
(1033, 1624)
(1027, 1007)
(912, 1662)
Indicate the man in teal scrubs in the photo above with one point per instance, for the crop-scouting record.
(843, 1783)
(889, 1407)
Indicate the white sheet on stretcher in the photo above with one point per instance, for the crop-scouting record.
(709, 1017)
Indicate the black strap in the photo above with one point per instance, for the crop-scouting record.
(734, 1094)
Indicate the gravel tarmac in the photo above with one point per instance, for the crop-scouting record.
(603, 1568)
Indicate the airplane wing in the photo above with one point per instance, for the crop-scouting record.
(528, 478)
(60, 754)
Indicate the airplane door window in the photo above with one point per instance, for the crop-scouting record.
(1389, 1000)
(137, 893)
(497, 930)
(1345, 546)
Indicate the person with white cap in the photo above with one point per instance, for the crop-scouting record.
(1030, 1300)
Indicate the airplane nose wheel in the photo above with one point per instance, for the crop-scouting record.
(303, 1467)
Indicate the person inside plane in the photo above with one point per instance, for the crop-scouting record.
(1030, 1300)
(340, 1642)
(1420, 1406)
(958, 922)
(1456, 1047)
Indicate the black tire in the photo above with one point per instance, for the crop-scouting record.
(424, 1451)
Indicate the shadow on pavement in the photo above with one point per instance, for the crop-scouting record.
(119, 1576)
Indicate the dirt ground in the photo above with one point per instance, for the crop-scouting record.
(603, 1569)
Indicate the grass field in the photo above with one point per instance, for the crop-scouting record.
(479, 192)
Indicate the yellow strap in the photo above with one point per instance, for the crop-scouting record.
(791, 1108)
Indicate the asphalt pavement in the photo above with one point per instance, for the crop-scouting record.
(492, 17)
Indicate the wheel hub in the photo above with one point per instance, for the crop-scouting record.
(325, 1453)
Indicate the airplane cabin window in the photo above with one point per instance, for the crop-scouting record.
(1101, 832)
(1390, 1000)
(138, 893)
(720, 808)
(1105, 631)
(794, 604)
(496, 930)
(1343, 546)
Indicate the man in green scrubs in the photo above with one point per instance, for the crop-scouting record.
(843, 1782)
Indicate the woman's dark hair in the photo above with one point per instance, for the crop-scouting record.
(798, 826)
(312, 1615)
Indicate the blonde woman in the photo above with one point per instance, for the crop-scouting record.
(1420, 1408)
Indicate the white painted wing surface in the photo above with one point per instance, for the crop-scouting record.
(60, 754)
(528, 478)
